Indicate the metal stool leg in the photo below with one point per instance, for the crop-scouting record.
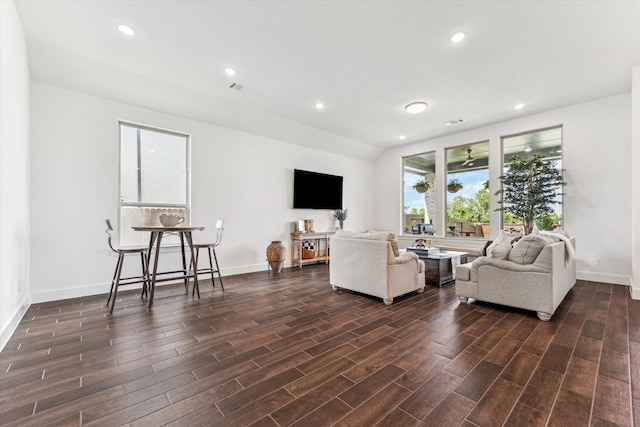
(212, 249)
(117, 283)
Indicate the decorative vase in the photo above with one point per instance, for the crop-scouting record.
(276, 255)
(341, 223)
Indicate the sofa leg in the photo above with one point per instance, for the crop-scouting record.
(545, 317)
(463, 299)
(334, 287)
(420, 290)
(387, 301)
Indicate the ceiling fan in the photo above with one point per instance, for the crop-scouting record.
(469, 160)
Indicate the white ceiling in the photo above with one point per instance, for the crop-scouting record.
(364, 59)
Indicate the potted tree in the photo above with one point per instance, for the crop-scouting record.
(529, 188)
(421, 186)
(454, 185)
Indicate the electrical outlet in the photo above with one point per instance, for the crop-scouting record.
(599, 262)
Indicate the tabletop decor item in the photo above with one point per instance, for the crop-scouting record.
(341, 215)
(170, 220)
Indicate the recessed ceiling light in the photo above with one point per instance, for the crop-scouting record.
(518, 106)
(416, 107)
(126, 30)
(230, 71)
(319, 105)
(457, 37)
(401, 137)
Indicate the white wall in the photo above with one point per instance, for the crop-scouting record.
(244, 178)
(14, 172)
(634, 160)
(597, 204)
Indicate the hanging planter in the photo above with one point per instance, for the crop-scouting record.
(454, 186)
(421, 186)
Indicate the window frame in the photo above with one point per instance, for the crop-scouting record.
(186, 206)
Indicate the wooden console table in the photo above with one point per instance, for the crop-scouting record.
(321, 247)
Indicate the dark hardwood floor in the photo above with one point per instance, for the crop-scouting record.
(287, 350)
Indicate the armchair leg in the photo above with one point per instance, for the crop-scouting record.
(463, 299)
(387, 301)
(545, 317)
(420, 290)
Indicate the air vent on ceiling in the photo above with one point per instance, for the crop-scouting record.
(236, 86)
(454, 122)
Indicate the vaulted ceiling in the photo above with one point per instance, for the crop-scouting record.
(365, 60)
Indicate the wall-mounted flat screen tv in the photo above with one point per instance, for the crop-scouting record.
(314, 190)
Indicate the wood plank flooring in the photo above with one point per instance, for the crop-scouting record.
(287, 350)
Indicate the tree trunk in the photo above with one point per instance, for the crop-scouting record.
(528, 226)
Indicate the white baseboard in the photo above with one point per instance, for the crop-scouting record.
(13, 324)
(103, 288)
(604, 278)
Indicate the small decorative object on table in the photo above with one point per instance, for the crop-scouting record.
(170, 220)
(276, 255)
(341, 215)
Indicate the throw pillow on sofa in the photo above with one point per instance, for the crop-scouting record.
(500, 247)
(528, 248)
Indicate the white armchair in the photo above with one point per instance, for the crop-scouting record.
(370, 263)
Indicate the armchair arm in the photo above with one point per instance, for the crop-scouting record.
(402, 258)
(504, 264)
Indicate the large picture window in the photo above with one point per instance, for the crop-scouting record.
(419, 201)
(548, 144)
(154, 179)
(468, 190)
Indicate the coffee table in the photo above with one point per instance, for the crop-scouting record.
(438, 270)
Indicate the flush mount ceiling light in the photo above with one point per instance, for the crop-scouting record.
(230, 71)
(416, 107)
(319, 105)
(457, 37)
(126, 30)
(518, 106)
(401, 137)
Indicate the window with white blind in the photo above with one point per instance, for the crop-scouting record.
(154, 179)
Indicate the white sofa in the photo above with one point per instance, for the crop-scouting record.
(536, 274)
(370, 263)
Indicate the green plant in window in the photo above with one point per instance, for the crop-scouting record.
(421, 186)
(454, 185)
(530, 187)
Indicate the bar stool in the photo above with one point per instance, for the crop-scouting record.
(123, 281)
(211, 250)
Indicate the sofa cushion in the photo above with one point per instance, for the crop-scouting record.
(500, 247)
(528, 248)
(378, 235)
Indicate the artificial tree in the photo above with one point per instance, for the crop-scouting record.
(530, 186)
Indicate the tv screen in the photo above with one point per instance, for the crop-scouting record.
(313, 190)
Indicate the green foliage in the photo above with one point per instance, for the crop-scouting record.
(470, 209)
(548, 223)
(529, 188)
